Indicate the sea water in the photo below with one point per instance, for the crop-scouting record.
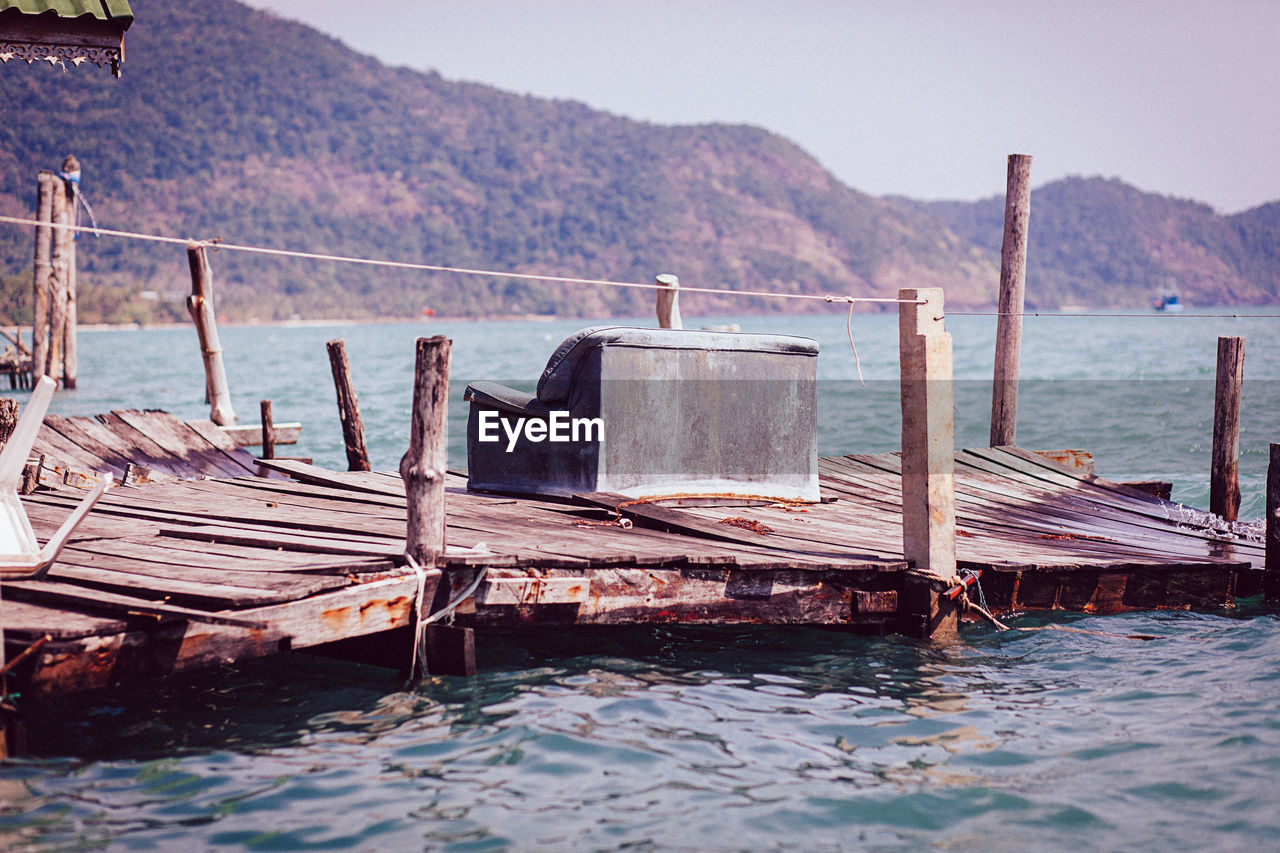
(1069, 732)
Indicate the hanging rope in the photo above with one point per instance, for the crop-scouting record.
(447, 611)
(848, 325)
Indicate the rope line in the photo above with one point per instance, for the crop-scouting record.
(1152, 315)
(406, 265)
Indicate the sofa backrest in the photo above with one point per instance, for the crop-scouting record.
(557, 377)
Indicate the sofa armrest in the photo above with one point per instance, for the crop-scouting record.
(497, 396)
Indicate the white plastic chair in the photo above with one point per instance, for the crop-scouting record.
(20, 555)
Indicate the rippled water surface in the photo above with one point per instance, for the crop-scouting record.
(1134, 732)
(1067, 737)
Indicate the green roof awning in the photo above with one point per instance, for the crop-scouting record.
(62, 31)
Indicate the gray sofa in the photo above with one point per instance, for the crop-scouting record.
(652, 413)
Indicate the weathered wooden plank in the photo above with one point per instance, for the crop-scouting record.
(250, 435)
(185, 444)
(209, 595)
(654, 596)
(104, 556)
(168, 648)
(235, 558)
(359, 610)
(123, 450)
(74, 432)
(114, 603)
(533, 590)
(356, 481)
(24, 621)
(56, 446)
(285, 541)
(213, 435)
(151, 452)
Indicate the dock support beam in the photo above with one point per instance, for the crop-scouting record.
(268, 430)
(41, 276)
(1271, 577)
(668, 302)
(1224, 478)
(446, 649)
(348, 407)
(70, 313)
(60, 281)
(200, 306)
(928, 463)
(1013, 288)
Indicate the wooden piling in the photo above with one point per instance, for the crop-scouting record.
(60, 280)
(1013, 285)
(668, 302)
(928, 462)
(423, 465)
(1224, 479)
(447, 650)
(268, 431)
(348, 407)
(200, 306)
(43, 271)
(450, 650)
(1271, 576)
(70, 334)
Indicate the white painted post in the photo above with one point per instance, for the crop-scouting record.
(928, 456)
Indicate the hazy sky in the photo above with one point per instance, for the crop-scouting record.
(923, 99)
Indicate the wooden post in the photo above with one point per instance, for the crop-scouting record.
(1224, 477)
(70, 334)
(1271, 577)
(928, 462)
(268, 431)
(668, 302)
(423, 465)
(40, 279)
(1013, 286)
(448, 650)
(70, 344)
(61, 261)
(200, 306)
(348, 407)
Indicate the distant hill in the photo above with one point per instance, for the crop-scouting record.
(1101, 242)
(232, 122)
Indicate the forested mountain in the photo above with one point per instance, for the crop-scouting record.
(1101, 242)
(231, 122)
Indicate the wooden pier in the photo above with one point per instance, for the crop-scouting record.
(179, 575)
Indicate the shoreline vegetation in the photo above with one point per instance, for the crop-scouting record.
(640, 319)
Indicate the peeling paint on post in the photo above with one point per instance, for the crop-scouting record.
(928, 457)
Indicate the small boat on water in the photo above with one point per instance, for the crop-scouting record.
(1169, 303)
